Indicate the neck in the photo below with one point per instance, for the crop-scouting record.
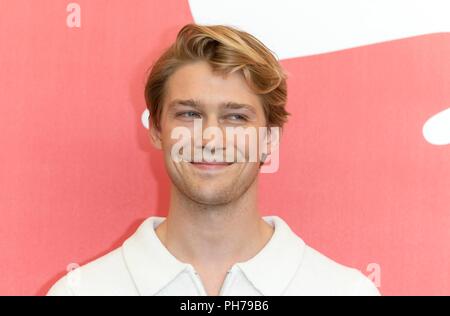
(214, 235)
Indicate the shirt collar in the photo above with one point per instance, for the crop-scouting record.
(152, 266)
(149, 262)
(273, 268)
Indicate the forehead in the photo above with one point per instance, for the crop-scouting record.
(196, 80)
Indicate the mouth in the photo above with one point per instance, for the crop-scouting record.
(210, 165)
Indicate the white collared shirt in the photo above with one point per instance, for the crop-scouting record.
(144, 266)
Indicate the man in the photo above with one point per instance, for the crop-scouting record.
(214, 241)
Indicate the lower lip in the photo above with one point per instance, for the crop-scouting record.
(208, 166)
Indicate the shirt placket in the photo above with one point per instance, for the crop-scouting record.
(227, 282)
(199, 285)
(197, 282)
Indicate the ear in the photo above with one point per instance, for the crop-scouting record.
(155, 136)
(272, 139)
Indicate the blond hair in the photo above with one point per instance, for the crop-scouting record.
(227, 50)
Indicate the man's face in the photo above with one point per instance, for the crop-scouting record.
(210, 184)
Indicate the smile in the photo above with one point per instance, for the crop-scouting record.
(210, 165)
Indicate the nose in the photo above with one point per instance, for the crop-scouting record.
(212, 132)
(210, 135)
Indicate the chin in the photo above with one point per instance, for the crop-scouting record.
(209, 196)
(211, 200)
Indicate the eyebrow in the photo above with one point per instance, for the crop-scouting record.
(227, 105)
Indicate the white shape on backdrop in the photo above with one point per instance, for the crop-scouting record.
(144, 118)
(302, 28)
(294, 28)
(436, 129)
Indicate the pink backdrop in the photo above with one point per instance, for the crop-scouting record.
(357, 179)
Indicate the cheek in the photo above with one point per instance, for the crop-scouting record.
(173, 147)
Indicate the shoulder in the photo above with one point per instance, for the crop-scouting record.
(320, 275)
(107, 275)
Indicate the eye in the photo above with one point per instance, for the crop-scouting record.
(188, 114)
(237, 117)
